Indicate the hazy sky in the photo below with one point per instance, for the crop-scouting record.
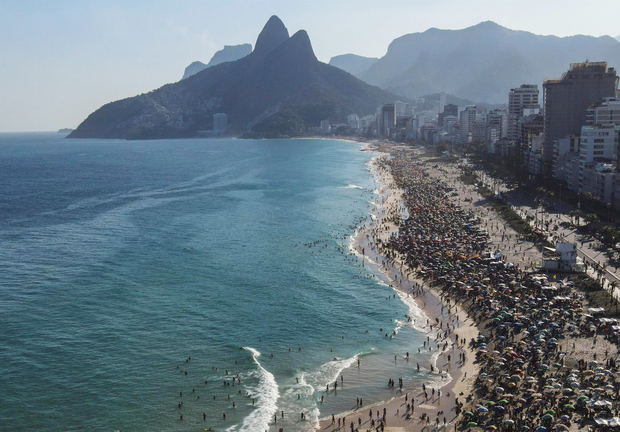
(62, 59)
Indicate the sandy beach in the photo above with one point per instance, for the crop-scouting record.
(458, 375)
(454, 310)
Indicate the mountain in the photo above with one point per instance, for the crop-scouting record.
(354, 64)
(618, 38)
(481, 62)
(193, 68)
(226, 54)
(280, 89)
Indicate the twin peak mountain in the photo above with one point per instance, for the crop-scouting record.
(280, 89)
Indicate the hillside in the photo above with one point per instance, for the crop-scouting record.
(354, 64)
(280, 89)
(482, 62)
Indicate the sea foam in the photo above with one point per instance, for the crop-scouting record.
(266, 394)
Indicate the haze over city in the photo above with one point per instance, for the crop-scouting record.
(62, 60)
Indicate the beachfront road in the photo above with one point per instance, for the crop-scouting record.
(602, 261)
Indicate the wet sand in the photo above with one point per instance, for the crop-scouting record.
(459, 376)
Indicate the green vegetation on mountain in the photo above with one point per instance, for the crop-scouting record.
(280, 89)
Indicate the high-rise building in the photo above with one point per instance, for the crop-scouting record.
(520, 99)
(353, 121)
(567, 99)
(448, 110)
(598, 154)
(604, 113)
(442, 102)
(566, 160)
(599, 143)
(325, 127)
(220, 123)
(470, 121)
(402, 109)
(495, 128)
(386, 120)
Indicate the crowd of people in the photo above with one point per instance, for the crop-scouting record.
(546, 362)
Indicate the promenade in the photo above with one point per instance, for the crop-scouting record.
(541, 361)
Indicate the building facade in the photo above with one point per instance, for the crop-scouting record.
(567, 99)
(604, 113)
(520, 99)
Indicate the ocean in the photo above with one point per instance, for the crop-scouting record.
(121, 260)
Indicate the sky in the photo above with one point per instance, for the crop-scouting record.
(61, 60)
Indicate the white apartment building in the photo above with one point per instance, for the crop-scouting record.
(606, 113)
(495, 128)
(521, 98)
(472, 124)
(598, 153)
(598, 143)
(353, 121)
(599, 179)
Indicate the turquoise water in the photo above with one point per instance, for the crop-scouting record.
(119, 260)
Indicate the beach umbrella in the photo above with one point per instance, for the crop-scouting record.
(468, 414)
(509, 422)
(547, 417)
(491, 427)
(541, 429)
(482, 409)
(499, 409)
(502, 401)
(472, 424)
(499, 390)
(550, 411)
(569, 406)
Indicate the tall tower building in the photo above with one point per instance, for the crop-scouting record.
(567, 99)
(520, 99)
(448, 110)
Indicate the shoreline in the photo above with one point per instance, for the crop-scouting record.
(416, 295)
(560, 373)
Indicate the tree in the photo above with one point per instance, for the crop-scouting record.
(592, 219)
